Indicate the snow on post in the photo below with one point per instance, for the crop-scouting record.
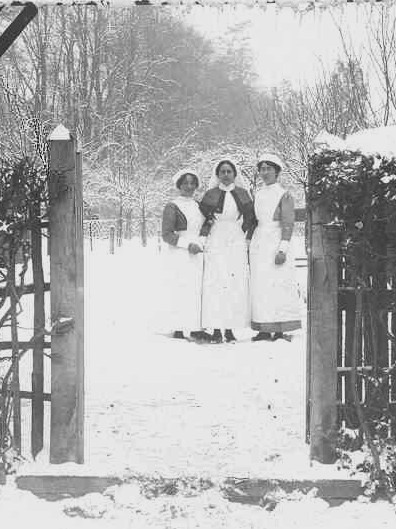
(67, 300)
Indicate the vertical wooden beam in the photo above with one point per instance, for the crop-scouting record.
(11, 33)
(324, 339)
(37, 432)
(67, 351)
(15, 387)
(90, 235)
(80, 302)
(308, 238)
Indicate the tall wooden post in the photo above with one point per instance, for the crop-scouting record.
(67, 287)
(308, 243)
(323, 338)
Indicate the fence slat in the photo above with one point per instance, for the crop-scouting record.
(37, 432)
(15, 388)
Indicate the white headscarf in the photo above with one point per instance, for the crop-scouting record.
(239, 179)
(183, 172)
(273, 158)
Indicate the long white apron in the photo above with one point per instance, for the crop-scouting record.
(225, 303)
(274, 298)
(183, 274)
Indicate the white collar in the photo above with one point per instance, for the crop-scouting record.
(270, 187)
(185, 199)
(230, 187)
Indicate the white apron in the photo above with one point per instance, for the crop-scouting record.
(225, 297)
(183, 274)
(274, 298)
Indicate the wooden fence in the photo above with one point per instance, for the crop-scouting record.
(351, 350)
(62, 338)
(31, 340)
(376, 353)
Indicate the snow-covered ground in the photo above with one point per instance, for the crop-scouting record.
(161, 407)
(126, 508)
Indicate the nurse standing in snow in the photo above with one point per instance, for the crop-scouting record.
(274, 298)
(181, 224)
(229, 214)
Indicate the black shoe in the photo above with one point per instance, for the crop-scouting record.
(200, 336)
(229, 336)
(216, 337)
(281, 336)
(206, 337)
(178, 335)
(262, 336)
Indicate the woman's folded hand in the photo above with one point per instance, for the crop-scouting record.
(194, 248)
(280, 258)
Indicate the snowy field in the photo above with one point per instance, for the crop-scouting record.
(161, 407)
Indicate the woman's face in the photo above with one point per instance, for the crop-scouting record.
(188, 186)
(268, 174)
(226, 174)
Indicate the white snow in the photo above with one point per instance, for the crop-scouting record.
(374, 141)
(160, 407)
(59, 133)
(379, 140)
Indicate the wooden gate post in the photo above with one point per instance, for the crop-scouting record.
(67, 289)
(323, 338)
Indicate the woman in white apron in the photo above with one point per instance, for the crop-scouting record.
(228, 210)
(181, 225)
(274, 298)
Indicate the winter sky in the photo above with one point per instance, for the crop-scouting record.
(285, 44)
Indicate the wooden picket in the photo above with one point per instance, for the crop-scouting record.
(376, 349)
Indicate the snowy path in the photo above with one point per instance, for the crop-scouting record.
(158, 405)
(155, 406)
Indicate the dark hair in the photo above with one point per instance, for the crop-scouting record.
(218, 167)
(183, 177)
(271, 164)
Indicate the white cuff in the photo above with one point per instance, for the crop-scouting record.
(283, 246)
(183, 242)
(202, 241)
